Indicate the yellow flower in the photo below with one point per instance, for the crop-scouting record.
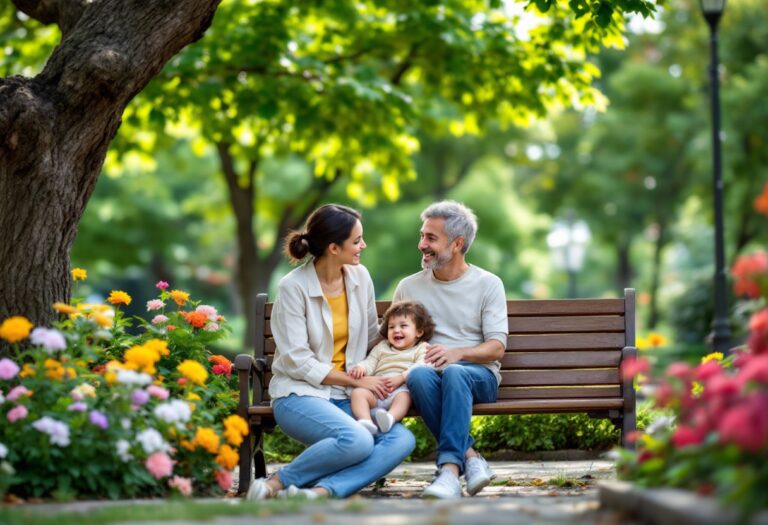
(102, 320)
(206, 438)
(14, 329)
(235, 428)
(158, 345)
(119, 297)
(656, 340)
(64, 308)
(187, 444)
(142, 357)
(193, 397)
(78, 274)
(714, 356)
(642, 343)
(54, 370)
(83, 390)
(193, 371)
(179, 297)
(227, 457)
(27, 371)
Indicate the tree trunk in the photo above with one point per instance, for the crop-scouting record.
(623, 266)
(55, 130)
(658, 248)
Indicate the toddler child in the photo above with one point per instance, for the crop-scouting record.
(407, 326)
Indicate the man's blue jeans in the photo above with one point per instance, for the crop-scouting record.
(444, 401)
(342, 457)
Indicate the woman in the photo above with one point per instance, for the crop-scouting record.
(324, 320)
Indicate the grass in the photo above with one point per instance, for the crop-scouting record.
(163, 510)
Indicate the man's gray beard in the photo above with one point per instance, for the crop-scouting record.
(438, 261)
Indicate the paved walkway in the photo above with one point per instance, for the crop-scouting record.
(525, 492)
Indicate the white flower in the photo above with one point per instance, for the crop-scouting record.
(125, 423)
(210, 311)
(49, 338)
(129, 377)
(3, 451)
(176, 411)
(152, 441)
(57, 430)
(123, 448)
(2, 397)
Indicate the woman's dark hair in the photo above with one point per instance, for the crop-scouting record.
(413, 310)
(329, 224)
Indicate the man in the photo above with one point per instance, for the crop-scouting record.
(469, 308)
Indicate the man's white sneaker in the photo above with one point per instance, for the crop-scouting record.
(384, 419)
(445, 486)
(478, 475)
(259, 490)
(294, 492)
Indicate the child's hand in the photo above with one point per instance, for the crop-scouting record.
(395, 381)
(356, 372)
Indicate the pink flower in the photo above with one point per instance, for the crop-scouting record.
(154, 304)
(633, 366)
(16, 393)
(49, 338)
(746, 424)
(159, 319)
(721, 387)
(17, 412)
(8, 369)
(685, 436)
(183, 485)
(158, 392)
(680, 371)
(758, 338)
(755, 370)
(707, 370)
(224, 479)
(211, 327)
(210, 311)
(664, 395)
(746, 269)
(162, 285)
(159, 465)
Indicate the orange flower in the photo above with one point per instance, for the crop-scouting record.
(64, 308)
(220, 360)
(119, 297)
(761, 202)
(78, 274)
(179, 297)
(196, 319)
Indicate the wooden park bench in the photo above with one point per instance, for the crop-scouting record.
(562, 356)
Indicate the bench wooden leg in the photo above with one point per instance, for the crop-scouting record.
(246, 460)
(259, 460)
(628, 425)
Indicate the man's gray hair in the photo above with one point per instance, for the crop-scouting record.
(460, 221)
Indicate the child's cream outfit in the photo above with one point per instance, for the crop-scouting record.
(387, 361)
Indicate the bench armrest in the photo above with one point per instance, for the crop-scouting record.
(250, 378)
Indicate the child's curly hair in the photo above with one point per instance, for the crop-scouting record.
(413, 310)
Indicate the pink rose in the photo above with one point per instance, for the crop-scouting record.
(17, 412)
(8, 369)
(158, 392)
(183, 485)
(16, 393)
(162, 285)
(224, 479)
(159, 465)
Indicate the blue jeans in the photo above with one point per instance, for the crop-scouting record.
(444, 401)
(342, 457)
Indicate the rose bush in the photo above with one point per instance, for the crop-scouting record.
(714, 438)
(89, 410)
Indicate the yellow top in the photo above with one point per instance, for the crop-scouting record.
(340, 315)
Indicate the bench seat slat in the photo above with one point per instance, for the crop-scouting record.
(559, 377)
(554, 392)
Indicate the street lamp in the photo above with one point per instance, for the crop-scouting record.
(567, 243)
(721, 333)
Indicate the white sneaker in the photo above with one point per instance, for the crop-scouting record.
(259, 490)
(369, 426)
(295, 492)
(384, 419)
(445, 486)
(478, 475)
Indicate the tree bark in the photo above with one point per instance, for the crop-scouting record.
(55, 129)
(623, 265)
(658, 249)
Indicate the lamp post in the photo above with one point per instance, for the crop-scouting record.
(567, 243)
(721, 333)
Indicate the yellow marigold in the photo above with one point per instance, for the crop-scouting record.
(714, 356)
(158, 345)
(119, 297)
(15, 329)
(78, 274)
(102, 320)
(179, 297)
(144, 358)
(193, 371)
(54, 370)
(227, 457)
(83, 390)
(206, 438)
(656, 340)
(193, 397)
(27, 371)
(235, 428)
(64, 308)
(187, 444)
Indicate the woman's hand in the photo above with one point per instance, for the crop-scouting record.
(376, 384)
(356, 372)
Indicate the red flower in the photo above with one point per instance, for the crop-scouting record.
(758, 338)
(761, 202)
(746, 269)
(721, 386)
(755, 370)
(632, 366)
(664, 395)
(707, 370)
(685, 436)
(222, 370)
(680, 371)
(196, 319)
(182, 381)
(746, 424)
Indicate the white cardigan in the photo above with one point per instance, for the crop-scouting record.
(302, 327)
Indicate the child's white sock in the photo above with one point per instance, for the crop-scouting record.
(384, 420)
(369, 426)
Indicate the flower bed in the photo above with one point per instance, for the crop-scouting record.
(91, 411)
(715, 437)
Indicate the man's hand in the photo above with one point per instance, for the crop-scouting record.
(395, 381)
(356, 372)
(441, 356)
(376, 384)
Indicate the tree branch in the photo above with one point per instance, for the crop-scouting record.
(64, 13)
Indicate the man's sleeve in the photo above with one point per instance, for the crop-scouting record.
(495, 323)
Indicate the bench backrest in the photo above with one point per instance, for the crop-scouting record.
(556, 349)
